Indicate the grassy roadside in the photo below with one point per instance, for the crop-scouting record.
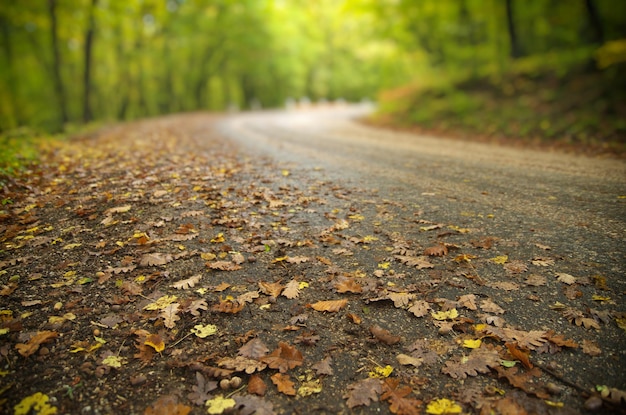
(578, 108)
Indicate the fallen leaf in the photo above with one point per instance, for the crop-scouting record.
(323, 366)
(348, 285)
(187, 283)
(256, 385)
(155, 341)
(169, 314)
(242, 364)
(30, 347)
(283, 358)
(329, 305)
(437, 250)
(254, 349)
(283, 384)
(200, 391)
(363, 392)
(272, 289)
(397, 394)
(292, 289)
(37, 402)
(156, 258)
(443, 406)
(219, 404)
(384, 335)
(420, 262)
(445, 315)
(479, 361)
(407, 360)
(420, 308)
(204, 331)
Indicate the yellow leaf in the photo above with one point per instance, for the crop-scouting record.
(37, 402)
(554, 404)
(499, 259)
(368, 238)
(113, 361)
(445, 315)
(4, 331)
(381, 372)
(285, 173)
(303, 284)
(219, 404)
(472, 344)
(600, 298)
(207, 256)
(155, 341)
(71, 246)
(161, 303)
(384, 265)
(443, 406)
(218, 239)
(280, 259)
(204, 331)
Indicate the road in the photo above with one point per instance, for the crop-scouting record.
(574, 201)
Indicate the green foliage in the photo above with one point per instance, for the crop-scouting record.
(18, 148)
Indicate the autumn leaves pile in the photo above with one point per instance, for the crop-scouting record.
(160, 266)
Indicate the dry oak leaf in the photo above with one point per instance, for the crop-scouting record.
(397, 394)
(565, 278)
(200, 391)
(524, 381)
(526, 339)
(297, 259)
(363, 392)
(32, 345)
(407, 360)
(169, 314)
(384, 335)
(348, 285)
(401, 300)
(329, 305)
(521, 355)
(489, 306)
(228, 306)
(283, 384)
(145, 353)
(187, 282)
(167, 405)
(437, 250)
(283, 358)
(420, 308)
(323, 366)
(256, 385)
(197, 305)
(292, 289)
(223, 265)
(254, 349)
(155, 258)
(272, 289)
(420, 262)
(591, 348)
(468, 301)
(480, 360)
(242, 364)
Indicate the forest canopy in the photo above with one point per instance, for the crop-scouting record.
(68, 62)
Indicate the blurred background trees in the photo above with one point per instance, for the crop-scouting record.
(66, 62)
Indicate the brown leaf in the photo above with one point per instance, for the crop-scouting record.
(284, 384)
(401, 300)
(169, 315)
(329, 305)
(420, 262)
(348, 285)
(468, 301)
(363, 392)
(197, 305)
(298, 259)
(256, 385)
(223, 265)
(591, 348)
(437, 250)
(187, 282)
(397, 394)
(200, 391)
(526, 339)
(521, 355)
(145, 353)
(228, 306)
(167, 405)
(420, 308)
(323, 366)
(479, 361)
(155, 258)
(384, 335)
(524, 381)
(242, 364)
(489, 306)
(272, 289)
(30, 347)
(283, 358)
(254, 349)
(292, 289)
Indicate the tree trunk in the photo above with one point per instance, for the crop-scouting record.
(516, 50)
(56, 63)
(595, 23)
(16, 119)
(87, 114)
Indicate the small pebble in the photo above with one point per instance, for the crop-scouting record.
(58, 306)
(44, 351)
(138, 380)
(96, 332)
(553, 388)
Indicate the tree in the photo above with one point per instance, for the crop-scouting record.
(56, 63)
(516, 50)
(87, 87)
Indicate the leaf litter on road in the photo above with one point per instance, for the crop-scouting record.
(168, 272)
